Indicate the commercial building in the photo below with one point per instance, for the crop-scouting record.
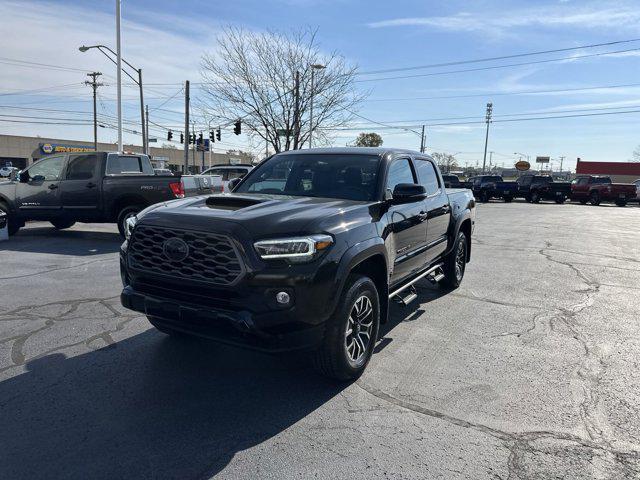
(620, 172)
(20, 152)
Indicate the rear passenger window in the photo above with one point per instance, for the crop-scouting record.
(427, 176)
(122, 164)
(82, 167)
(399, 172)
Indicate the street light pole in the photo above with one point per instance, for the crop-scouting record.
(119, 76)
(314, 67)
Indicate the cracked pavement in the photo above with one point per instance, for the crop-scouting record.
(528, 371)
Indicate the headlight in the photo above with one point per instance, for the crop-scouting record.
(128, 226)
(294, 248)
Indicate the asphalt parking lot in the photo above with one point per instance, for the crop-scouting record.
(530, 370)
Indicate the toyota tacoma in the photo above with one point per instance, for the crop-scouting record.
(306, 253)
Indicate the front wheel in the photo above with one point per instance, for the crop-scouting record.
(594, 198)
(535, 197)
(351, 332)
(12, 225)
(455, 263)
(621, 203)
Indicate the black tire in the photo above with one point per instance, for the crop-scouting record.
(594, 198)
(484, 196)
(62, 224)
(535, 197)
(560, 200)
(508, 199)
(12, 225)
(528, 198)
(334, 358)
(455, 263)
(621, 203)
(583, 201)
(166, 330)
(126, 213)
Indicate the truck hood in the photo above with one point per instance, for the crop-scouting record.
(260, 215)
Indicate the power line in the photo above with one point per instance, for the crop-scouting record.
(504, 57)
(493, 67)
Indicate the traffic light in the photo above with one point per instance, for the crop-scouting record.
(182, 138)
(169, 135)
(237, 128)
(212, 135)
(218, 134)
(201, 139)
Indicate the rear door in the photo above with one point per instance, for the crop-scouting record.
(80, 189)
(408, 223)
(38, 197)
(580, 187)
(437, 205)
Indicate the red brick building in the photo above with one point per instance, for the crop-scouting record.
(620, 172)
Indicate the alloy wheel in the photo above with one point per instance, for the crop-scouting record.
(359, 329)
(461, 254)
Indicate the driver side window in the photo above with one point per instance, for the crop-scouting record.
(399, 172)
(50, 168)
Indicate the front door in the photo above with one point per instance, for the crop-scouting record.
(580, 188)
(407, 224)
(38, 193)
(437, 205)
(80, 189)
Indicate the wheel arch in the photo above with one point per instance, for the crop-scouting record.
(123, 201)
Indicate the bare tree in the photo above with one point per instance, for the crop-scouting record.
(445, 161)
(368, 140)
(251, 77)
(635, 156)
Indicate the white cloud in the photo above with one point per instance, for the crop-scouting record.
(620, 18)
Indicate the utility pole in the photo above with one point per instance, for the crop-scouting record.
(119, 76)
(422, 141)
(561, 161)
(490, 159)
(146, 137)
(296, 112)
(193, 150)
(486, 138)
(94, 85)
(202, 147)
(185, 168)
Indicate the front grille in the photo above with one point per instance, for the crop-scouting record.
(211, 258)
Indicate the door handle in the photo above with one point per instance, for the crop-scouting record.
(446, 209)
(91, 185)
(423, 216)
(53, 186)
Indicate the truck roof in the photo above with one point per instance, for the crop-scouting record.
(381, 151)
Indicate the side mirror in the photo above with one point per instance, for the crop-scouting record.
(232, 183)
(23, 177)
(408, 192)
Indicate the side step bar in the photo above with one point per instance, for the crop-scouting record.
(436, 274)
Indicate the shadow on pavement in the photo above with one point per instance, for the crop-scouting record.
(63, 242)
(149, 407)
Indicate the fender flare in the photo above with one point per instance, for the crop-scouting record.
(465, 215)
(12, 207)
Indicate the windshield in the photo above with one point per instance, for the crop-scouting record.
(348, 176)
(491, 179)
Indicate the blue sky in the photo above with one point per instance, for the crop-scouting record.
(168, 44)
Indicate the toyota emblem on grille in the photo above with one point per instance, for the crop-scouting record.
(175, 249)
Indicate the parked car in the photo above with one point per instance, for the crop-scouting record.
(228, 172)
(452, 181)
(595, 189)
(163, 171)
(305, 254)
(534, 188)
(7, 171)
(85, 187)
(637, 184)
(486, 187)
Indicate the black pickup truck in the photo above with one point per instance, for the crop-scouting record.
(534, 188)
(306, 253)
(85, 187)
(486, 187)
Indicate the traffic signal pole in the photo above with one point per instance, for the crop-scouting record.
(185, 167)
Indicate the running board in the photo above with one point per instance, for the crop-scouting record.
(408, 296)
(436, 275)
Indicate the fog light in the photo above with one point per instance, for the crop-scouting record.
(283, 298)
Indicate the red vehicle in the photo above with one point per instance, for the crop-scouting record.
(595, 189)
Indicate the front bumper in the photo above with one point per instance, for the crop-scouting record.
(235, 327)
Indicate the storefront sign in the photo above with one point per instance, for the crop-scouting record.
(48, 148)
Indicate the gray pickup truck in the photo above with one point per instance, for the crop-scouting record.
(85, 187)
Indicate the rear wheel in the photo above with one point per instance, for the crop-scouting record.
(351, 332)
(560, 200)
(621, 203)
(62, 224)
(535, 197)
(126, 213)
(508, 198)
(583, 201)
(594, 198)
(455, 263)
(12, 224)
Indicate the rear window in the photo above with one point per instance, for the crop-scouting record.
(494, 178)
(601, 180)
(128, 165)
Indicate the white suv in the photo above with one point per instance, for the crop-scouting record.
(228, 172)
(6, 171)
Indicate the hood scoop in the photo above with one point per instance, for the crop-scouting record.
(231, 203)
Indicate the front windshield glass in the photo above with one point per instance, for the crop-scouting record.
(348, 176)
